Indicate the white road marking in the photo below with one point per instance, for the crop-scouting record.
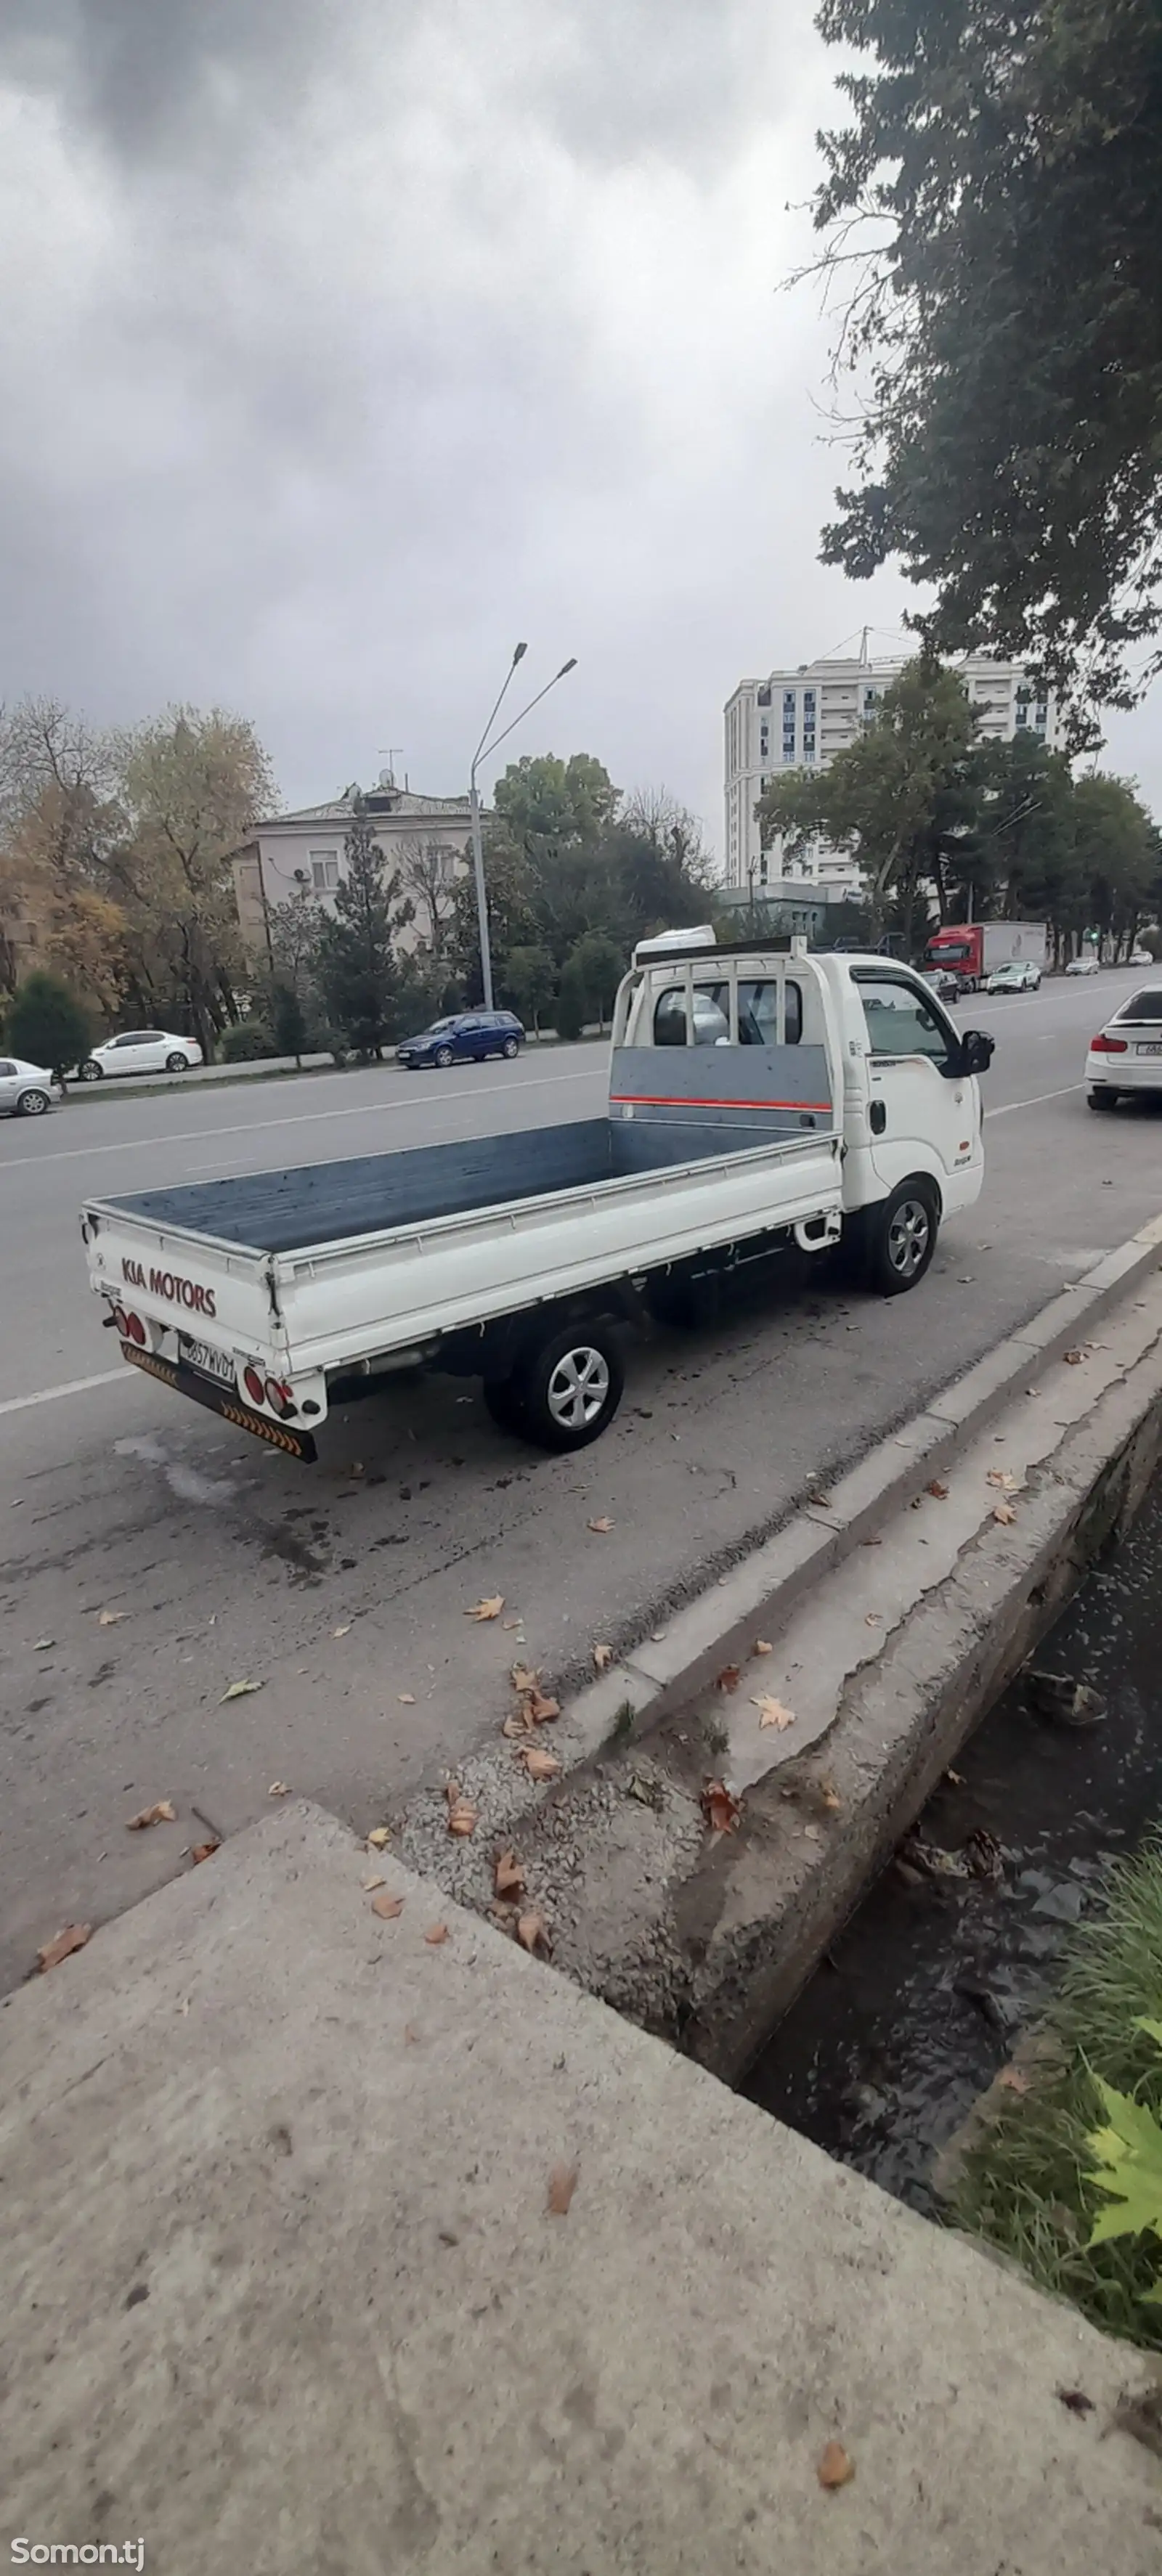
(258, 1126)
(1007, 1106)
(53, 1394)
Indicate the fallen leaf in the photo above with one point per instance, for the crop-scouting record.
(487, 1609)
(407, 1699)
(378, 1836)
(109, 1618)
(1000, 1477)
(161, 1813)
(601, 1527)
(834, 2469)
(461, 1818)
(1073, 1359)
(829, 1797)
(203, 1851)
(538, 1764)
(240, 1690)
(369, 1883)
(532, 1932)
(345, 1631)
(872, 1619)
(517, 1724)
(602, 1658)
(728, 1678)
(721, 1808)
(955, 1779)
(436, 1932)
(356, 1467)
(562, 2185)
(73, 1937)
(508, 1877)
(938, 1491)
(1011, 2080)
(279, 1789)
(760, 1647)
(42, 1645)
(387, 1907)
(1003, 1512)
(539, 1710)
(1077, 2401)
(524, 1678)
(510, 1624)
(772, 1713)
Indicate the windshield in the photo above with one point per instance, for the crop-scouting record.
(948, 951)
(437, 1026)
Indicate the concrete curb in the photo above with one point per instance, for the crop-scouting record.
(684, 1656)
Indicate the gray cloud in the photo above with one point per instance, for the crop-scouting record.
(150, 75)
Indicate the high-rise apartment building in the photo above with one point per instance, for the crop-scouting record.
(801, 718)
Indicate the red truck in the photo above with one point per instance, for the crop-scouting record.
(973, 950)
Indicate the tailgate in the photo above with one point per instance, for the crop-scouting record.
(183, 1283)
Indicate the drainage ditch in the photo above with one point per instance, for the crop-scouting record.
(955, 1950)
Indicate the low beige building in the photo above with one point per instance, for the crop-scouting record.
(425, 837)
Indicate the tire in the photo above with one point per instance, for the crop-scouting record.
(1103, 1099)
(900, 1239)
(570, 1386)
(504, 1401)
(33, 1104)
(177, 1063)
(443, 1057)
(91, 1071)
(510, 1048)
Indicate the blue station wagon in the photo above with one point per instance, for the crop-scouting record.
(466, 1038)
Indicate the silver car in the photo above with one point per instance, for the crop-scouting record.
(25, 1089)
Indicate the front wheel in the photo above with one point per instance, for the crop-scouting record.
(570, 1386)
(91, 1071)
(510, 1048)
(1103, 1099)
(900, 1239)
(177, 1063)
(443, 1058)
(33, 1104)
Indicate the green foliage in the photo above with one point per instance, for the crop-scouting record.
(571, 1004)
(47, 1025)
(1029, 2185)
(599, 964)
(357, 962)
(247, 1042)
(1128, 2166)
(288, 1021)
(1004, 168)
(898, 797)
(529, 983)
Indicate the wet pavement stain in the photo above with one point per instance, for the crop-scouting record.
(920, 2000)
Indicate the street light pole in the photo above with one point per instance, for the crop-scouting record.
(489, 742)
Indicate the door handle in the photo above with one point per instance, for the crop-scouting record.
(877, 1117)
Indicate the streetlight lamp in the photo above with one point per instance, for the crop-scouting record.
(489, 742)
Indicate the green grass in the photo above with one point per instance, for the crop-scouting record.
(1023, 2186)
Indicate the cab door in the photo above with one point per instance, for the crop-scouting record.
(923, 1112)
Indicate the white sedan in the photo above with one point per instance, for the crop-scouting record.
(1086, 965)
(25, 1089)
(142, 1051)
(1127, 1054)
(1020, 976)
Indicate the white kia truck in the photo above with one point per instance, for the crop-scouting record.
(759, 1098)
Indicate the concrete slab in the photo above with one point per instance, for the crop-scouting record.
(286, 2292)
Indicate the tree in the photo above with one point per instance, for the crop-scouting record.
(1007, 164)
(288, 1021)
(428, 871)
(194, 787)
(902, 797)
(1117, 850)
(599, 964)
(295, 929)
(356, 949)
(47, 1025)
(529, 983)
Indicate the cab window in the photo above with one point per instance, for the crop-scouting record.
(757, 1014)
(901, 1022)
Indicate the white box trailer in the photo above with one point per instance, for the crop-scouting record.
(758, 1097)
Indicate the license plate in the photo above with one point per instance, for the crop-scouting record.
(1148, 1050)
(203, 1357)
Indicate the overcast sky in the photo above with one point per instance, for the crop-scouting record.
(344, 342)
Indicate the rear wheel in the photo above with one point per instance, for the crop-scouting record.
(1103, 1099)
(32, 1104)
(176, 1063)
(510, 1048)
(900, 1239)
(443, 1058)
(570, 1386)
(91, 1071)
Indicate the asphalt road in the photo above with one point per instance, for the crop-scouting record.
(342, 1589)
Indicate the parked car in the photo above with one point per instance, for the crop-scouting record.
(141, 1051)
(25, 1089)
(1019, 976)
(1127, 1054)
(946, 986)
(467, 1037)
(1140, 957)
(1086, 965)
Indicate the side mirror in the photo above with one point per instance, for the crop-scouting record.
(977, 1050)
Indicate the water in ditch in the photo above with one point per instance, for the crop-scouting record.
(920, 2000)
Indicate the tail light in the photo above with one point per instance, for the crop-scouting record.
(279, 1397)
(121, 1320)
(135, 1330)
(252, 1381)
(1109, 1046)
